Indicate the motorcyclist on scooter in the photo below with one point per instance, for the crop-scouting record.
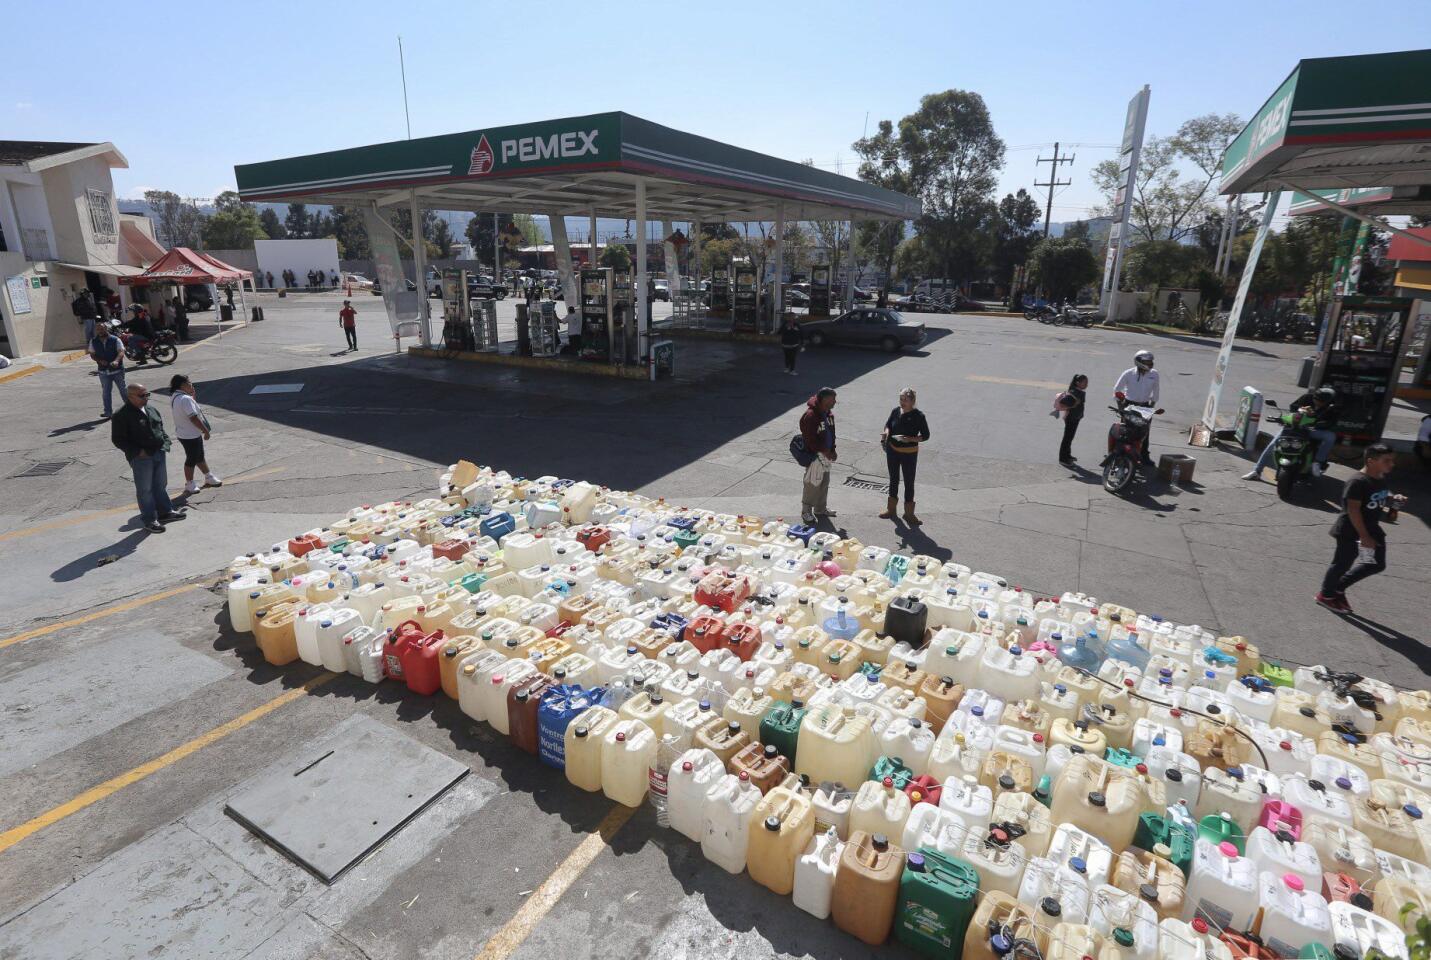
(1319, 403)
(1138, 385)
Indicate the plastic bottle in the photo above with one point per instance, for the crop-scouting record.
(691, 778)
(783, 827)
(1011, 919)
(1222, 887)
(866, 888)
(1128, 650)
(1292, 916)
(1189, 941)
(727, 815)
(582, 747)
(815, 873)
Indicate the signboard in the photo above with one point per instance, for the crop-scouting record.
(19, 291)
(1249, 418)
(402, 304)
(1133, 127)
(1224, 355)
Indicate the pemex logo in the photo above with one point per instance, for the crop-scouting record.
(481, 158)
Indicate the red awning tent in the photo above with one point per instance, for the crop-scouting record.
(184, 266)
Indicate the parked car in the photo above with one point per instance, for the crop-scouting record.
(356, 281)
(661, 290)
(485, 288)
(197, 298)
(377, 287)
(795, 297)
(888, 329)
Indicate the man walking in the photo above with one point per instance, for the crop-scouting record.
(107, 352)
(347, 319)
(138, 431)
(1361, 544)
(817, 429)
(85, 313)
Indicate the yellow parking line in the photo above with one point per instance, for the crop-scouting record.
(254, 475)
(22, 372)
(97, 793)
(99, 614)
(1047, 384)
(541, 901)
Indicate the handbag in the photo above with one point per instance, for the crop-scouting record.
(797, 450)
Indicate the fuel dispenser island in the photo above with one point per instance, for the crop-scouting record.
(626, 332)
(820, 291)
(1361, 358)
(744, 297)
(457, 333)
(598, 305)
(720, 289)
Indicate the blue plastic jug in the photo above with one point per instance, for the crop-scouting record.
(497, 526)
(559, 707)
(802, 532)
(1128, 650)
(1081, 653)
(841, 626)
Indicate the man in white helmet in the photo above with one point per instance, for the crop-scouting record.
(1139, 385)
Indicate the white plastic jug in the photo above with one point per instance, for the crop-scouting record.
(1178, 940)
(727, 814)
(1292, 915)
(832, 745)
(691, 777)
(333, 626)
(582, 745)
(1000, 865)
(910, 740)
(494, 695)
(1222, 886)
(967, 799)
(1279, 854)
(1363, 930)
(1069, 843)
(832, 803)
(880, 807)
(815, 873)
(628, 750)
(1024, 811)
(1127, 920)
(929, 826)
(1049, 878)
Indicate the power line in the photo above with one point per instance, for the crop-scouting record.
(1053, 182)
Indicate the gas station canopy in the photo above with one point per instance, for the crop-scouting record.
(1384, 201)
(572, 167)
(1337, 123)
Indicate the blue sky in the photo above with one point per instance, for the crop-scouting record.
(257, 81)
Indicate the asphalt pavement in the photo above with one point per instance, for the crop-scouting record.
(120, 666)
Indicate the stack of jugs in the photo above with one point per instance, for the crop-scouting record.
(1102, 799)
(784, 827)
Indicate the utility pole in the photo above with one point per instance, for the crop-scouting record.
(1053, 182)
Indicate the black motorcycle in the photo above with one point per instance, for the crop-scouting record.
(1125, 444)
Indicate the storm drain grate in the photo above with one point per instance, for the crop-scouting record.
(46, 468)
(860, 483)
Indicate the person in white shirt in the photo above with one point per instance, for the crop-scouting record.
(1139, 385)
(191, 428)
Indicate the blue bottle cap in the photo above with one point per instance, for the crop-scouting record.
(1412, 811)
(1343, 782)
(915, 862)
(1159, 741)
(1056, 637)
(1078, 864)
(1060, 689)
(1016, 650)
(977, 711)
(1235, 772)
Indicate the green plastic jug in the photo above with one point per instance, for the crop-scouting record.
(1315, 951)
(1120, 757)
(1275, 674)
(780, 727)
(684, 538)
(894, 768)
(472, 582)
(937, 897)
(1157, 834)
(1217, 828)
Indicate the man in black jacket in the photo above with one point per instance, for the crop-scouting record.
(138, 431)
(1322, 404)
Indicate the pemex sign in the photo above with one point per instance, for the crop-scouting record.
(543, 146)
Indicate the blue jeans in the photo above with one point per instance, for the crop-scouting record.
(150, 482)
(1326, 439)
(108, 380)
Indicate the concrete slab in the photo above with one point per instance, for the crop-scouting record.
(331, 803)
(53, 705)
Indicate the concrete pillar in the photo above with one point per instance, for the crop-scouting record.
(696, 239)
(779, 260)
(639, 279)
(419, 264)
(591, 239)
(673, 262)
(562, 246)
(850, 266)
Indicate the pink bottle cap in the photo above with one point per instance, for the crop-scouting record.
(1293, 882)
(1228, 848)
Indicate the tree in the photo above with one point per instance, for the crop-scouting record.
(442, 236)
(479, 234)
(833, 236)
(1062, 267)
(1161, 263)
(797, 247)
(950, 157)
(351, 232)
(179, 220)
(296, 223)
(272, 226)
(911, 259)
(1014, 233)
(724, 231)
(228, 201)
(527, 227)
(320, 225)
(617, 257)
(879, 164)
(233, 229)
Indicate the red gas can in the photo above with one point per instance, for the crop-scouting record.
(924, 789)
(418, 653)
(593, 538)
(1339, 886)
(394, 644)
(298, 546)
(706, 633)
(723, 590)
(451, 548)
(743, 639)
(523, 700)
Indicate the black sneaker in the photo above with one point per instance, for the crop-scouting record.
(172, 516)
(154, 526)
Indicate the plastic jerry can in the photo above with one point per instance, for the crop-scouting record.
(647, 707)
(493, 696)
(450, 657)
(1225, 792)
(833, 745)
(1222, 887)
(1364, 931)
(1389, 828)
(727, 816)
(1151, 878)
(419, 656)
(1076, 941)
(1085, 853)
(749, 707)
(1391, 895)
(583, 739)
(905, 620)
(998, 923)
(274, 632)
(780, 727)
(880, 806)
(691, 777)
(628, 749)
(1340, 886)
(1077, 733)
(1279, 815)
(1047, 879)
(941, 695)
(928, 827)
(783, 827)
(866, 889)
(815, 873)
(910, 740)
(742, 639)
(1166, 838)
(1219, 828)
(474, 675)
(497, 525)
(1178, 940)
(937, 899)
(1292, 916)
(523, 707)
(558, 708)
(363, 653)
(1098, 798)
(1023, 810)
(1004, 772)
(575, 669)
(705, 633)
(998, 858)
(721, 737)
(832, 803)
(763, 766)
(1128, 922)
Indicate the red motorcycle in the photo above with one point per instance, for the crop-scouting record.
(162, 348)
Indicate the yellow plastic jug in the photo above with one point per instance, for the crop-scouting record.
(784, 825)
(582, 742)
(1101, 799)
(834, 745)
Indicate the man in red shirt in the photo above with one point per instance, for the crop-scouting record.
(347, 318)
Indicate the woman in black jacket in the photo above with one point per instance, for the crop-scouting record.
(1072, 404)
(904, 431)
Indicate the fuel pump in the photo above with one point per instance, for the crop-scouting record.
(720, 289)
(820, 291)
(598, 325)
(744, 297)
(457, 311)
(1361, 359)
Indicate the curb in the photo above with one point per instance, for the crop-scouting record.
(636, 371)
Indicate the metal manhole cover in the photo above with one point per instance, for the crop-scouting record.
(860, 483)
(47, 468)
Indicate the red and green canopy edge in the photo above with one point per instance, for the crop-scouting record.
(1339, 123)
(456, 165)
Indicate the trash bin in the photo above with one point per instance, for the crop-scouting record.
(256, 314)
(226, 313)
(524, 332)
(1176, 468)
(1304, 377)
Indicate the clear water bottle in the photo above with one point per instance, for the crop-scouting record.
(667, 751)
(1129, 650)
(1079, 653)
